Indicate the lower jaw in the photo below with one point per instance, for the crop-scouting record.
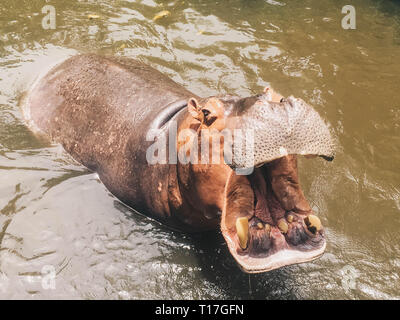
(280, 251)
(277, 260)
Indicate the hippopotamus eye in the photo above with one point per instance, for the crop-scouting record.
(206, 112)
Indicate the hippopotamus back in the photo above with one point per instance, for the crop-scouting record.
(109, 104)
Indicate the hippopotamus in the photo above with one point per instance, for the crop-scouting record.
(114, 114)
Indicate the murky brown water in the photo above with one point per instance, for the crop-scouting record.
(54, 212)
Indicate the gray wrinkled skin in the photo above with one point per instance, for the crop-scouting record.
(289, 127)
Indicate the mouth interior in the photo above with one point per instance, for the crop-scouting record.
(267, 222)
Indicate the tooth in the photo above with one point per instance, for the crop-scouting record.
(313, 223)
(267, 227)
(289, 218)
(242, 230)
(283, 226)
(260, 225)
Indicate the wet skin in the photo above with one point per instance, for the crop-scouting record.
(101, 109)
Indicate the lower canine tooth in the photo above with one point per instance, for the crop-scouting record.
(242, 230)
(313, 223)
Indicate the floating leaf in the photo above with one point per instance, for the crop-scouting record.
(161, 14)
(93, 16)
(121, 47)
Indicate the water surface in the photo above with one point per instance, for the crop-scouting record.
(54, 212)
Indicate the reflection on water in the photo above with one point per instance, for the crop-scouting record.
(54, 212)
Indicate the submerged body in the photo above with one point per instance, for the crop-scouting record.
(102, 109)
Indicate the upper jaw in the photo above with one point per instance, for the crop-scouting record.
(274, 130)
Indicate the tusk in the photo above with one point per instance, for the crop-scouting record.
(242, 230)
(283, 226)
(313, 223)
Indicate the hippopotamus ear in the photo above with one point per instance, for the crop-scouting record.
(194, 108)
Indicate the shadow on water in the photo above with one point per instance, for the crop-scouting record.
(391, 8)
(218, 267)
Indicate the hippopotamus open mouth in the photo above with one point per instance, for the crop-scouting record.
(266, 220)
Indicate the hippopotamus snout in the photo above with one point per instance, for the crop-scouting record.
(277, 129)
(267, 221)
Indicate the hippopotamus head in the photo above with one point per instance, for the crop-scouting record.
(266, 220)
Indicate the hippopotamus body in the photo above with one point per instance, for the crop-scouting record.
(124, 120)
